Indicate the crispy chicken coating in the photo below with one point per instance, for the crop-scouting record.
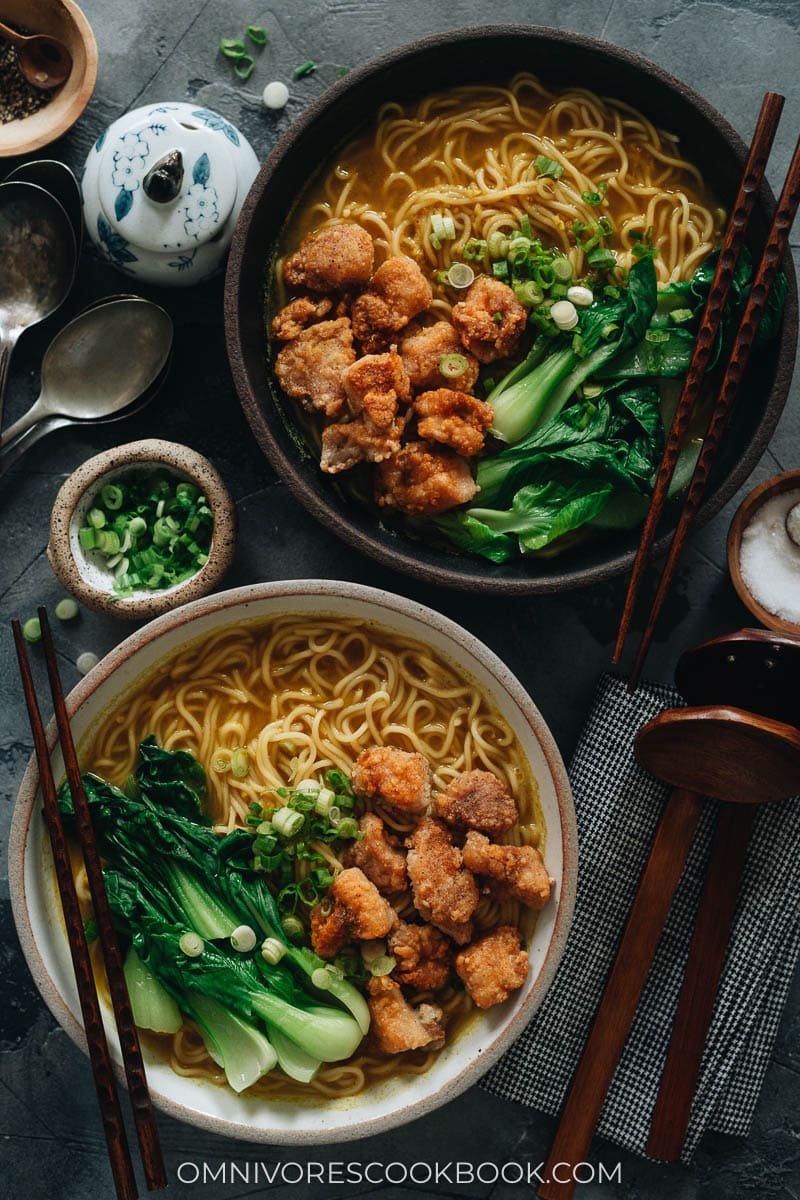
(453, 418)
(397, 292)
(359, 441)
(444, 892)
(396, 1026)
(422, 351)
(423, 480)
(376, 384)
(491, 320)
(358, 910)
(477, 800)
(494, 966)
(335, 257)
(515, 871)
(298, 313)
(310, 367)
(379, 856)
(401, 778)
(424, 957)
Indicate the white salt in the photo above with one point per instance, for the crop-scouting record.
(770, 561)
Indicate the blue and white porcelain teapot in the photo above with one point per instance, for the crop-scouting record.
(162, 189)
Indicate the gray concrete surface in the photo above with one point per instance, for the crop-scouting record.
(50, 1140)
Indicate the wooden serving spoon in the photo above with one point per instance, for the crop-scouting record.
(44, 61)
(693, 749)
(757, 670)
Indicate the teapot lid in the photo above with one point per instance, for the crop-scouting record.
(167, 179)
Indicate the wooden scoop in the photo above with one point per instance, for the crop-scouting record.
(682, 747)
(44, 61)
(756, 670)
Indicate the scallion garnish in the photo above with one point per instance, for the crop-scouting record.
(548, 167)
(243, 67)
(67, 609)
(32, 630)
(678, 316)
(232, 48)
(453, 366)
(304, 69)
(257, 35)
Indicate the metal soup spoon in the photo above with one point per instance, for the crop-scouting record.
(38, 255)
(57, 179)
(100, 363)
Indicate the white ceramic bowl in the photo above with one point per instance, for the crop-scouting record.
(38, 916)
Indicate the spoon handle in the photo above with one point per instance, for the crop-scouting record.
(704, 965)
(614, 1018)
(32, 417)
(6, 348)
(11, 35)
(21, 445)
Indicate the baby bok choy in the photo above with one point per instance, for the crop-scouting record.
(196, 914)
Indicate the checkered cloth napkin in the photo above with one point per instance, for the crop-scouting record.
(618, 807)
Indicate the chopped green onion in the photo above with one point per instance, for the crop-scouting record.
(272, 951)
(591, 198)
(453, 366)
(86, 538)
(643, 250)
(383, 966)
(460, 275)
(474, 249)
(257, 35)
(191, 944)
(525, 225)
(309, 787)
(304, 69)
(243, 67)
(321, 978)
(232, 48)
(67, 609)
(601, 258)
(528, 293)
(287, 821)
(324, 803)
(500, 269)
(243, 939)
(548, 167)
(294, 929)
(656, 335)
(497, 318)
(679, 316)
(221, 765)
(32, 630)
(497, 245)
(86, 662)
(240, 763)
(112, 496)
(347, 828)
(562, 269)
(96, 518)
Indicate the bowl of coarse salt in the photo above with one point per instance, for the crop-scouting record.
(764, 552)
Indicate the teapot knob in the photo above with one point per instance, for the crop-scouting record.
(164, 180)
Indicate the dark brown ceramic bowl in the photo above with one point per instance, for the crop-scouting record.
(472, 55)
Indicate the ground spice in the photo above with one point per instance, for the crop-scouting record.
(18, 98)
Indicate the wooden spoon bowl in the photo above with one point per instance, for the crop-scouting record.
(753, 669)
(724, 753)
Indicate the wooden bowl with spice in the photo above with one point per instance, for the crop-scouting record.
(764, 552)
(31, 117)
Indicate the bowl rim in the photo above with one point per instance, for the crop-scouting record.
(399, 554)
(106, 465)
(74, 110)
(386, 604)
(752, 502)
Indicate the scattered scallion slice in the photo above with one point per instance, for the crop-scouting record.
(272, 951)
(453, 366)
(287, 821)
(191, 944)
(86, 662)
(321, 978)
(240, 763)
(243, 67)
(459, 275)
(257, 35)
(243, 939)
(679, 316)
(32, 630)
(305, 68)
(67, 609)
(232, 48)
(383, 965)
(294, 929)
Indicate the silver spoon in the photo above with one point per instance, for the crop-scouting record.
(38, 256)
(57, 179)
(100, 363)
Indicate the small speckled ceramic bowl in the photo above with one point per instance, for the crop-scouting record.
(788, 481)
(84, 574)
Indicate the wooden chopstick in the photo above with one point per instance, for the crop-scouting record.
(141, 1103)
(99, 1054)
(733, 242)
(774, 249)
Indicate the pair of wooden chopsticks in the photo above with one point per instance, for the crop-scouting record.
(102, 1066)
(775, 246)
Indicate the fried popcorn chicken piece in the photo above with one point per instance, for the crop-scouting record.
(494, 966)
(423, 954)
(396, 1026)
(515, 871)
(423, 480)
(376, 384)
(310, 367)
(379, 856)
(358, 911)
(477, 800)
(401, 778)
(444, 892)
(491, 320)
(453, 418)
(422, 351)
(298, 313)
(397, 292)
(335, 257)
(343, 446)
